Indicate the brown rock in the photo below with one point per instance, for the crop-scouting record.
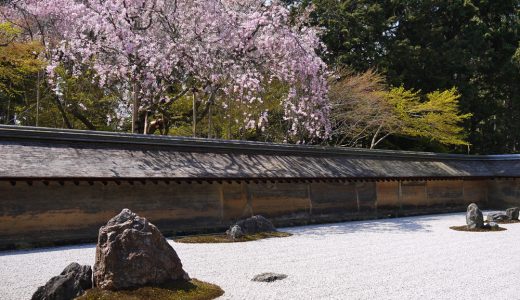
(131, 252)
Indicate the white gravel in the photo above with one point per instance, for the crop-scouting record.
(405, 258)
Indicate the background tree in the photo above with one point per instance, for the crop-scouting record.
(228, 120)
(436, 117)
(365, 112)
(254, 60)
(360, 108)
(434, 45)
(159, 51)
(19, 65)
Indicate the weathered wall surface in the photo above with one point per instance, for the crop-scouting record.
(504, 193)
(67, 212)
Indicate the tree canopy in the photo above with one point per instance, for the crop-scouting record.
(365, 112)
(19, 62)
(431, 45)
(422, 74)
(160, 50)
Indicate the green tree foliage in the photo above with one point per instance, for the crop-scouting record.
(434, 45)
(365, 112)
(26, 98)
(516, 57)
(87, 106)
(229, 120)
(19, 65)
(436, 118)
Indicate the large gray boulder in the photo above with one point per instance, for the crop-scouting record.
(513, 213)
(474, 217)
(131, 252)
(71, 283)
(256, 224)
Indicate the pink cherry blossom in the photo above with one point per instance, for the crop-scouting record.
(230, 47)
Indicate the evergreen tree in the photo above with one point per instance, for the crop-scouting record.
(433, 45)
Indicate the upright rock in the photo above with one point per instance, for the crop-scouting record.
(131, 252)
(71, 283)
(513, 213)
(474, 217)
(256, 224)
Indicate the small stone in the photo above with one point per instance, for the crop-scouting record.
(131, 252)
(71, 283)
(235, 232)
(493, 225)
(269, 277)
(474, 217)
(513, 213)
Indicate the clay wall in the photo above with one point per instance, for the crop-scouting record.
(49, 213)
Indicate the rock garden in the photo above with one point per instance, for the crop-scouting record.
(133, 260)
(350, 260)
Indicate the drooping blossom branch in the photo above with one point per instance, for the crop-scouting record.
(162, 48)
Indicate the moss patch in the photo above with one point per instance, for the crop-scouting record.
(222, 238)
(465, 228)
(191, 290)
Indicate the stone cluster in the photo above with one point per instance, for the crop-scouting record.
(131, 252)
(475, 219)
(511, 214)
